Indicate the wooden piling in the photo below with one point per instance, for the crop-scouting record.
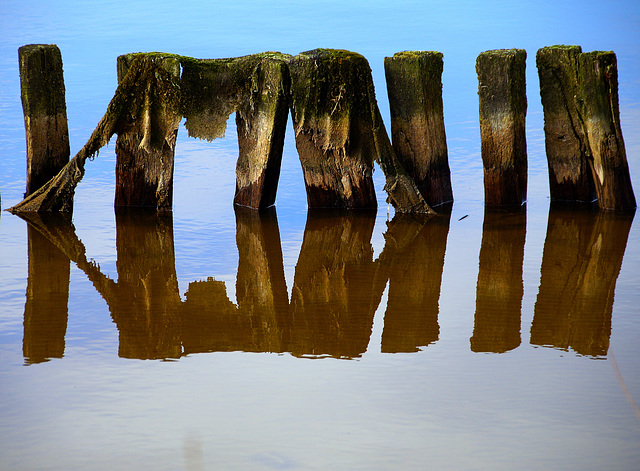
(583, 138)
(261, 121)
(503, 109)
(146, 143)
(45, 113)
(414, 87)
(339, 133)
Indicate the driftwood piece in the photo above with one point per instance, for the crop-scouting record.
(583, 138)
(339, 134)
(414, 87)
(503, 109)
(45, 113)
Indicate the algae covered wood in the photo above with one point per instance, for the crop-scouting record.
(256, 88)
(147, 135)
(339, 134)
(45, 112)
(57, 194)
(414, 87)
(583, 138)
(503, 109)
(570, 178)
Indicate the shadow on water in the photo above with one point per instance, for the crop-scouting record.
(337, 288)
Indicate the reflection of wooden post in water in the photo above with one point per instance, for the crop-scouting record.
(261, 289)
(413, 257)
(144, 303)
(582, 257)
(211, 322)
(46, 308)
(333, 299)
(146, 144)
(503, 109)
(500, 286)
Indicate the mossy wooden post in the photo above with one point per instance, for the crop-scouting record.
(329, 108)
(261, 122)
(146, 142)
(339, 133)
(570, 178)
(503, 109)
(45, 113)
(256, 88)
(414, 86)
(583, 138)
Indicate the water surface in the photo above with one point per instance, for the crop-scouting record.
(215, 338)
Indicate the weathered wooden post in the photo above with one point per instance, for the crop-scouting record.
(45, 113)
(146, 143)
(414, 86)
(503, 109)
(256, 88)
(339, 133)
(583, 137)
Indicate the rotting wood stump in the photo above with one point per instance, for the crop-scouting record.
(503, 109)
(583, 138)
(146, 110)
(57, 194)
(339, 133)
(256, 88)
(146, 140)
(414, 87)
(45, 112)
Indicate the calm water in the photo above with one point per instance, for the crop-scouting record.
(219, 339)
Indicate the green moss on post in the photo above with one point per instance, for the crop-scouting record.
(45, 112)
(601, 119)
(414, 86)
(583, 138)
(570, 178)
(503, 109)
(256, 88)
(339, 133)
(147, 137)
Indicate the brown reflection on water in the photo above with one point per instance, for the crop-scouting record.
(211, 322)
(46, 307)
(145, 302)
(337, 286)
(582, 257)
(413, 259)
(500, 287)
(335, 294)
